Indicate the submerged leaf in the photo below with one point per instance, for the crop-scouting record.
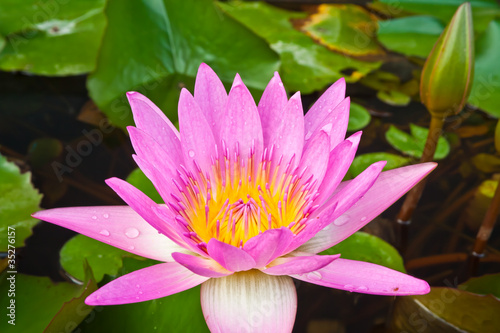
(488, 284)
(344, 28)
(305, 65)
(18, 200)
(414, 144)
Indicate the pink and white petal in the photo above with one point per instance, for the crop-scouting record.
(241, 129)
(118, 226)
(366, 278)
(314, 160)
(144, 206)
(230, 257)
(270, 108)
(268, 245)
(249, 302)
(388, 188)
(324, 106)
(197, 140)
(201, 266)
(287, 138)
(146, 284)
(339, 162)
(299, 265)
(211, 96)
(150, 119)
(147, 148)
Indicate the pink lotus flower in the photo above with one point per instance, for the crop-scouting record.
(252, 194)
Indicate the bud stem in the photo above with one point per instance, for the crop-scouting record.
(411, 200)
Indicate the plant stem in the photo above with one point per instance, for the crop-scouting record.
(411, 200)
(487, 226)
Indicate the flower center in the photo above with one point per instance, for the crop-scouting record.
(236, 201)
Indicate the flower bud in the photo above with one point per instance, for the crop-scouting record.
(448, 72)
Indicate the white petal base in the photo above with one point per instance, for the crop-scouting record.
(249, 301)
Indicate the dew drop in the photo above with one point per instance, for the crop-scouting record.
(94, 217)
(349, 287)
(362, 288)
(363, 219)
(104, 232)
(341, 220)
(316, 276)
(308, 135)
(137, 286)
(132, 233)
(191, 153)
(137, 297)
(105, 216)
(131, 247)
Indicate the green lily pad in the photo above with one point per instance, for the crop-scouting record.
(344, 28)
(369, 248)
(156, 47)
(101, 257)
(359, 117)
(176, 313)
(52, 37)
(414, 144)
(305, 65)
(488, 284)
(18, 200)
(483, 11)
(393, 97)
(361, 162)
(412, 36)
(485, 92)
(139, 180)
(41, 305)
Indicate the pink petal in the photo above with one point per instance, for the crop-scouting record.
(299, 265)
(201, 266)
(241, 129)
(314, 160)
(366, 278)
(338, 163)
(249, 302)
(287, 138)
(118, 226)
(268, 245)
(324, 106)
(164, 186)
(150, 119)
(270, 107)
(388, 188)
(146, 284)
(144, 206)
(197, 140)
(147, 148)
(230, 257)
(211, 96)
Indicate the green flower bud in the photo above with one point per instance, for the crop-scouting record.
(449, 70)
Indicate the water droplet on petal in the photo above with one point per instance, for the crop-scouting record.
(341, 220)
(140, 293)
(131, 247)
(137, 286)
(362, 288)
(316, 276)
(308, 135)
(363, 219)
(132, 233)
(191, 153)
(349, 287)
(104, 232)
(94, 217)
(105, 216)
